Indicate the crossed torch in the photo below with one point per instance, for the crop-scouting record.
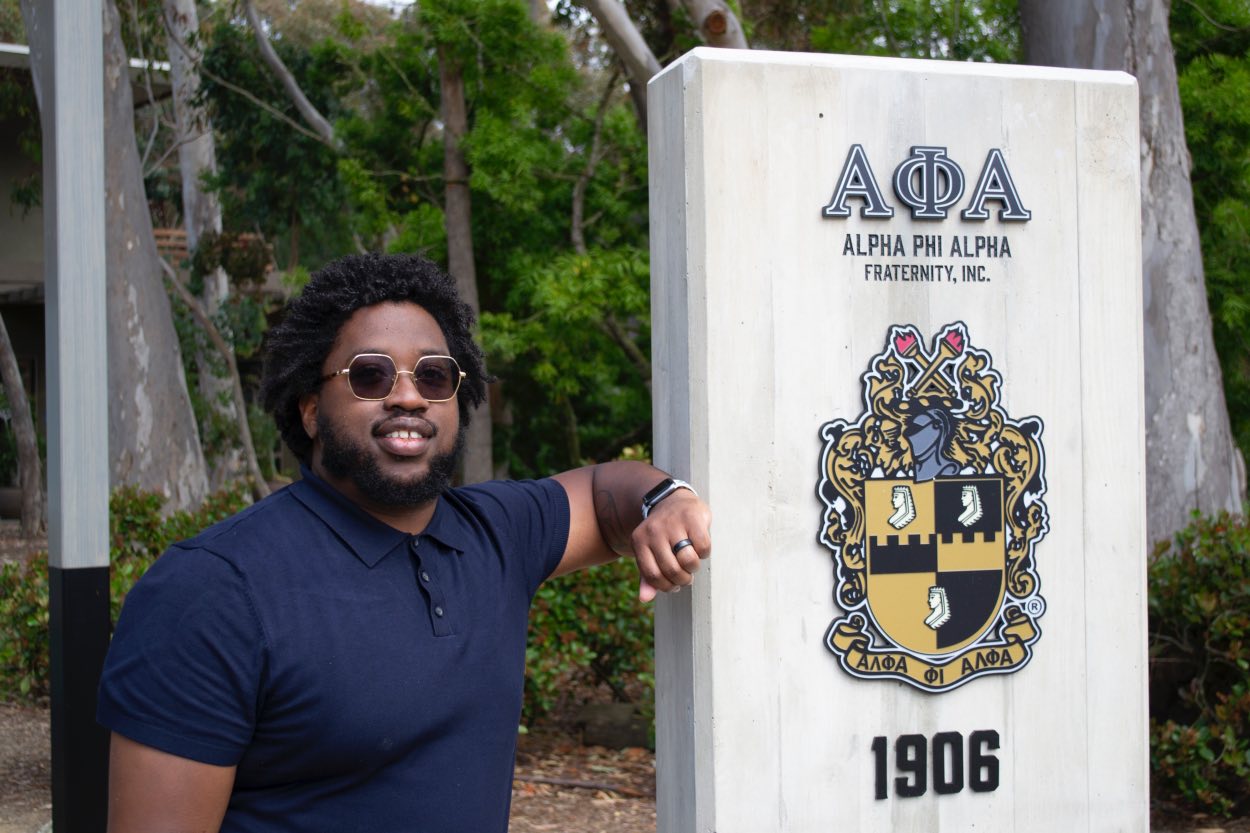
(950, 345)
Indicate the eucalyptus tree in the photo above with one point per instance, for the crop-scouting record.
(221, 390)
(152, 434)
(1212, 43)
(1191, 460)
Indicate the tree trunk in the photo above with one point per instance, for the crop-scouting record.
(234, 386)
(457, 219)
(152, 436)
(201, 211)
(306, 109)
(153, 440)
(197, 152)
(1191, 460)
(29, 472)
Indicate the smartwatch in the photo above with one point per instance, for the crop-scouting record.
(666, 488)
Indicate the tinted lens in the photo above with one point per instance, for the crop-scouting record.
(437, 378)
(371, 377)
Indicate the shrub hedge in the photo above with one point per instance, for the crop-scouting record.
(1200, 666)
(588, 630)
(138, 533)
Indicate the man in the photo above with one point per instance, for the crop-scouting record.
(348, 654)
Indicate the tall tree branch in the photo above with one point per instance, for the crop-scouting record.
(267, 53)
(264, 105)
(617, 333)
(578, 231)
(29, 476)
(147, 83)
(628, 44)
(260, 488)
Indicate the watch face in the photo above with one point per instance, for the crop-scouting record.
(654, 495)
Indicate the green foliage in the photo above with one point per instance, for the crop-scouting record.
(588, 629)
(1212, 42)
(12, 30)
(24, 629)
(1213, 27)
(1200, 656)
(560, 349)
(946, 29)
(422, 230)
(138, 534)
(20, 111)
(271, 177)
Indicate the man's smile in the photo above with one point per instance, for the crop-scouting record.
(405, 436)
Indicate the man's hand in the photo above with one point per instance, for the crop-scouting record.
(671, 542)
(605, 521)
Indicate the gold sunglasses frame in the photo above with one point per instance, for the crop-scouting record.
(459, 379)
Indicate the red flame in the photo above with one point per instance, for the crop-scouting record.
(955, 340)
(903, 342)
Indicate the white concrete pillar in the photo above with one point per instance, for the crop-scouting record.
(897, 334)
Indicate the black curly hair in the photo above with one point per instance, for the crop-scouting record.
(296, 347)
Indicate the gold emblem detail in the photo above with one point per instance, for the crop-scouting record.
(933, 508)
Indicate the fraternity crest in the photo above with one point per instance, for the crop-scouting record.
(933, 508)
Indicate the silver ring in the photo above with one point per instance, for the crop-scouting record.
(681, 545)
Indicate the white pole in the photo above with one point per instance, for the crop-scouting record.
(73, 141)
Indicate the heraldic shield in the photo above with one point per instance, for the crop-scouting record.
(933, 508)
(937, 560)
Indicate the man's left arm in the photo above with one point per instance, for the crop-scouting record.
(605, 522)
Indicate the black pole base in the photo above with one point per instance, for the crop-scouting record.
(79, 627)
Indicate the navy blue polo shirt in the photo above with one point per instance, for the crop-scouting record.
(358, 677)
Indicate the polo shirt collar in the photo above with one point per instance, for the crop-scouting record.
(450, 526)
(369, 539)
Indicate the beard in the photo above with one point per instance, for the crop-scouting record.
(344, 459)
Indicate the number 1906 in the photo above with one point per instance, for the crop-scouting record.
(912, 759)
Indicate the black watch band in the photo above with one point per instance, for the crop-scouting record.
(665, 488)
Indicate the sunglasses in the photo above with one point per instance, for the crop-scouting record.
(372, 376)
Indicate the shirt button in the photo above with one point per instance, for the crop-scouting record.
(425, 576)
(414, 543)
(438, 611)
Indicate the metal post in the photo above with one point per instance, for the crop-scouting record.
(73, 142)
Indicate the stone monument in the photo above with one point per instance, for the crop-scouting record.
(898, 346)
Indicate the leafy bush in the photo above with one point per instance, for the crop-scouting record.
(1200, 665)
(588, 630)
(24, 629)
(138, 534)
